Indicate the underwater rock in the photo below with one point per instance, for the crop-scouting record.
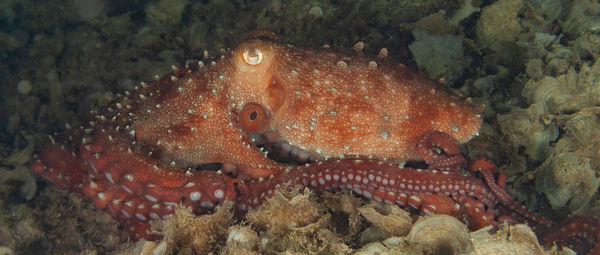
(464, 12)
(345, 213)
(540, 15)
(535, 68)
(566, 93)
(441, 57)
(241, 240)
(443, 234)
(19, 180)
(567, 179)
(529, 130)
(583, 17)
(165, 12)
(582, 134)
(389, 218)
(371, 234)
(516, 239)
(498, 28)
(6, 251)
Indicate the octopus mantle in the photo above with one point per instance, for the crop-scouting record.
(353, 117)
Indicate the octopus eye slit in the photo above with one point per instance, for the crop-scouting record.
(252, 55)
(253, 116)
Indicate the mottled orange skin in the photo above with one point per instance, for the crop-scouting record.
(321, 100)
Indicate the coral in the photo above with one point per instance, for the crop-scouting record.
(198, 234)
(286, 211)
(290, 221)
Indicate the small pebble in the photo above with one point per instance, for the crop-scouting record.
(316, 11)
(24, 87)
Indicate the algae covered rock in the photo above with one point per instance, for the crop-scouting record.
(441, 57)
(498, 28)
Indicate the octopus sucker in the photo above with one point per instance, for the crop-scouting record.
(268, 115)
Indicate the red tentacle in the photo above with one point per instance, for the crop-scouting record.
(573, 228)
(487, 169)
(448, 158)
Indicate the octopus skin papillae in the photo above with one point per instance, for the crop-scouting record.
(347, 120)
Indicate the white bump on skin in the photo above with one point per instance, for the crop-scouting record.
(367, 194)
(109, 178)
(207, 204)
(129, 177)
(140, 217)
(151, 198)
(154, 216)
(126, 189)
(219, 194)
(195, 196)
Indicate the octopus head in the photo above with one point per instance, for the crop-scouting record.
(254, 62)
(257, 89)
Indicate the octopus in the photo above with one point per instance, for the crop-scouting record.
(269, 114)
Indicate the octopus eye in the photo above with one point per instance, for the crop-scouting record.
(254, 119)
(252, 55)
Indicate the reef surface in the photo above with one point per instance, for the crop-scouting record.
(534, 64)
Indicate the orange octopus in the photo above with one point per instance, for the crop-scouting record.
(351, 118)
